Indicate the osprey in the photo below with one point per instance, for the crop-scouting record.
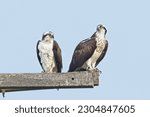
(90, 52)
(49, 53)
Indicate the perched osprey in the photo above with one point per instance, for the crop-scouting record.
(49, 53)
(90, 52)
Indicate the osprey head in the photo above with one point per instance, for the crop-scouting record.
(101, 28)
(48, 36)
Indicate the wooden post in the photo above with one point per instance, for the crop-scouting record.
(36, 81)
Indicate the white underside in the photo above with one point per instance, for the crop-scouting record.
(47, 57)
(91, 62)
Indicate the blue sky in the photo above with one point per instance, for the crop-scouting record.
(125, 68)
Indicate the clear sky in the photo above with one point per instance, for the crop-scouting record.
(125, 68)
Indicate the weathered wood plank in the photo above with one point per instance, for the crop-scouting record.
(15, 81)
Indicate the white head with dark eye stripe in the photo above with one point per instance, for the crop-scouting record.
(48, 36)
(101, 28)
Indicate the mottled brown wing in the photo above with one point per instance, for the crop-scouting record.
(58, 56)
(103, 53)
(82, 53)
(37, 51)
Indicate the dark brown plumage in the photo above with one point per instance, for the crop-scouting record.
(58, 56)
